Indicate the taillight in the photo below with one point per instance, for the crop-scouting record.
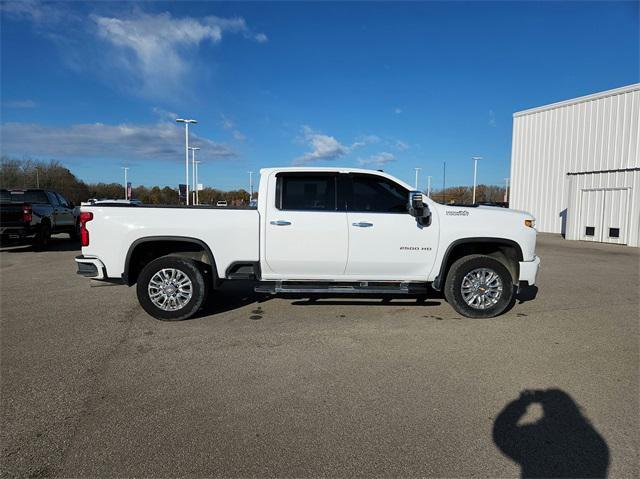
(85, 216)
(27, 215)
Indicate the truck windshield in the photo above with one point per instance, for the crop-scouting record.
(34, 196)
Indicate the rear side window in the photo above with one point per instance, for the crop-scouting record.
(376, 194)
(306, 192)
(53, 198)
(24, 196)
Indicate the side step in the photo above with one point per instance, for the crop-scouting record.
(359, 287)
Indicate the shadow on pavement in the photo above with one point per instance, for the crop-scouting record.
(231, 295)
(358, 300)
(563, 443)
(55, 244)
(526, 293)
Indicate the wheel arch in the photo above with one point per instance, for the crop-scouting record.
(506, 250)
(163, 245)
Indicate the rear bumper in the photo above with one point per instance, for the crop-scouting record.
(90, 267)
(529, 270)
(16, 232)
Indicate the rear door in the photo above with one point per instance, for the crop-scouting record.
(56, 220)
(65, 213)
(306, 229)
(385, 241)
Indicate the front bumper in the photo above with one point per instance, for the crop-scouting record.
(529, 270)
(91, 267)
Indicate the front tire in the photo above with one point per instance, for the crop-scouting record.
(43, 237)
(172, 288)
(479, 286)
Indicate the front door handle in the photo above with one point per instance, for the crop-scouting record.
(280, 223)
(363, 224)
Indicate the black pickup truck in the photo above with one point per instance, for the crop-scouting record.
(36, 214)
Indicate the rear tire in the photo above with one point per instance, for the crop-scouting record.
(74, 234)
(172, 288)
(479, 286)
(43, 237)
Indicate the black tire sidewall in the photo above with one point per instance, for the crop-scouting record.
(188, 267)
(460, 268)
(43, 237)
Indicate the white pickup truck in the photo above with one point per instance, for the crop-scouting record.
(315, 230)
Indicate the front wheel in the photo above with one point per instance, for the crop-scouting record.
(172, 288)
(479, 286)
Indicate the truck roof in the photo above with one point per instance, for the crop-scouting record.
(336, 169)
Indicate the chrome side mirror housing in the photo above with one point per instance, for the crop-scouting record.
(418, 208)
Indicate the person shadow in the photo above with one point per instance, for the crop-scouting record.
(563, 443)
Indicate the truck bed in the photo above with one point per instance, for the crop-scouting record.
(232, 234)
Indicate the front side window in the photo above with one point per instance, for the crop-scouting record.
(306, 192)
(376, 194)
(53, 198)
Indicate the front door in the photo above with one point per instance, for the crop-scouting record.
(385, 242)
(306, 231)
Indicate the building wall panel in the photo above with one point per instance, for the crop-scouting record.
(589, 134)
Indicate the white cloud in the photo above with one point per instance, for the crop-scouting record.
(401, 145)
(323, 147)
(161, 141)
(229, 124)
(397, 110)
(326, 147)
(492, 118)
(20, 104)
(377, 160)
(156, 47)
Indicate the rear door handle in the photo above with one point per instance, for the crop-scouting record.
(363, 224)
(280, 223)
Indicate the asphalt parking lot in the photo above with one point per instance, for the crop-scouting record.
(92, 386)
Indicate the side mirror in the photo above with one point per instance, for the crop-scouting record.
(418, 208)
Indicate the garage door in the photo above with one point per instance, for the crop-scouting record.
(603, 215)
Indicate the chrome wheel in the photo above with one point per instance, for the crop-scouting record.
(170, 289)
(481, 288)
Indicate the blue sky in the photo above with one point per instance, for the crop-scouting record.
(98, 85)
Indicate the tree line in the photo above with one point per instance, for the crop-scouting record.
(15, 173)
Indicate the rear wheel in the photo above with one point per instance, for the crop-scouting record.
(74, 234)
(479, 286)
(172, 288)
(43, 237)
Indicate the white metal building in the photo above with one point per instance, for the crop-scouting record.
(576, 166)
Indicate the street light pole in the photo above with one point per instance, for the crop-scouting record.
(428, 186)
(126, 193)
(417, 173)
(186, 153)
(193, 173)
(475, 176)
(506, 191)
(250, 186)
(197, 195)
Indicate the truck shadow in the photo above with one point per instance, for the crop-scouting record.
(231, 295)
(359, 300)
(61, 243)
(562, 443)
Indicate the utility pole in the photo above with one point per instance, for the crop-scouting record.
(417, 173)
(186, 153)
(428, 186)
(250, 186)
(506, 190)
(475, 175)
(126, 195)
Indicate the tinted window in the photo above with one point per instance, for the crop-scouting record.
(308, 192)
(377, 195)
(53, 198)
(62, 200)
(24, 196)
